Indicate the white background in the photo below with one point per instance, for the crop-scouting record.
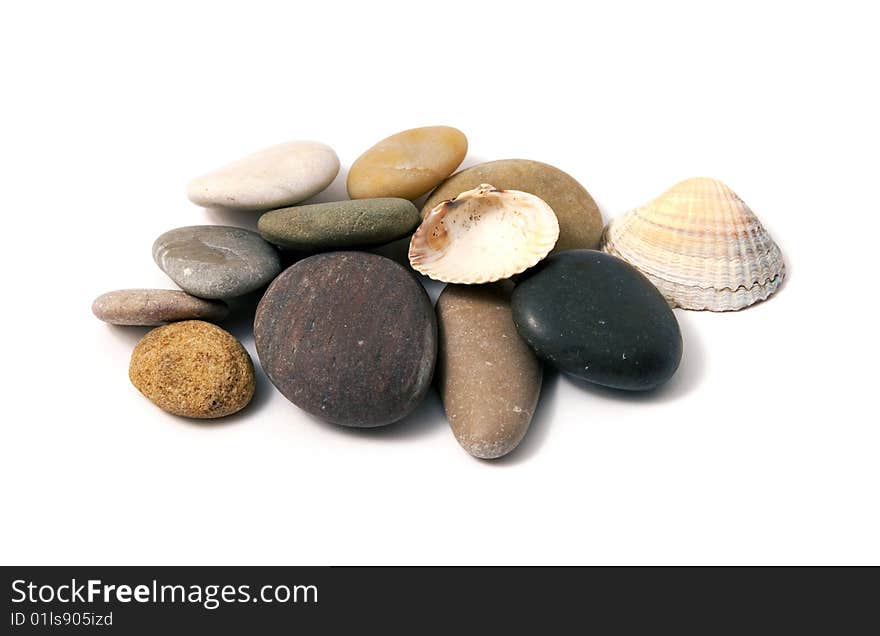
(765, 447)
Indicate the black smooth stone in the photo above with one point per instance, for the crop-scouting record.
(594, 316)
(349, 337)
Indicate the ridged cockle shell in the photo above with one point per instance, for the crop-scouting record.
(701, 245)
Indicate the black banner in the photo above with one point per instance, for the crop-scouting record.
(270, 600)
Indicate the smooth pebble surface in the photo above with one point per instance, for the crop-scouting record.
(193, 369)
(271, 178)
(151, 307)
(358, 223)
(408, 164)
(488, 377)
(580, 222)
(216, 261)
(594, 316)
(349, 337)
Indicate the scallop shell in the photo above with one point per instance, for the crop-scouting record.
(483, 235)
(701, 246)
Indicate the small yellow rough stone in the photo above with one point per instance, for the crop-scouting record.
(193, 369)
(408, 164)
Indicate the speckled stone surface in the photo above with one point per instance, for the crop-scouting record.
(274, 177)
(593, 315)
(339, 224)
(216, 261)
(408, 164)
(193, 369)
(580, 222)
(488, 377)
(349, 337)
(152, 307)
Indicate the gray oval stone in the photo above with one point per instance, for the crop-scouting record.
(338, 224)
(216, 261)
(154, 307)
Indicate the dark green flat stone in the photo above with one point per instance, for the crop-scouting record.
(340, 224)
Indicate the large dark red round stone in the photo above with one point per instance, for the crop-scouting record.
(349, 337)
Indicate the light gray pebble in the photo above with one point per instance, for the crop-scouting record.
(216, 261)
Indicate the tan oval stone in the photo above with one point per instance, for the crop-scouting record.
(488, 377)
(408, 164)
(193, 369)
(580, 222)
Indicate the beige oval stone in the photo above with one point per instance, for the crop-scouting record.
(274, 177)
(193, 369)
(489, 379)
(580, 222)
(408, 164)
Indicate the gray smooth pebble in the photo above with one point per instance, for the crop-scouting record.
(216, 261)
